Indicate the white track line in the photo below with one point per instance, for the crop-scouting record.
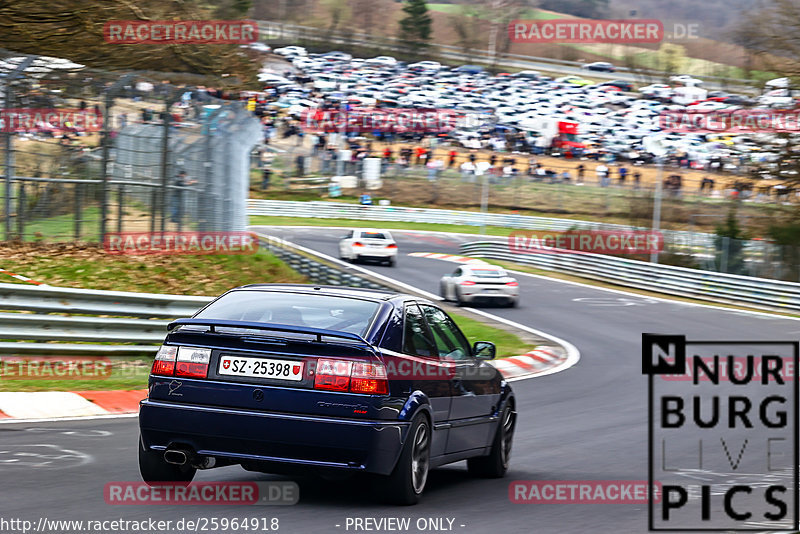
(573, 355)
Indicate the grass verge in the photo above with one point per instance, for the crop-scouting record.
(126, 373)
(507, 343)
(264, 220)
(89, 267)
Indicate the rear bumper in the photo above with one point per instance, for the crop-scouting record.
(300, 440)
(488, 296)
(374, 253)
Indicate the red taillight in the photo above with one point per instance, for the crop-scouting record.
(192, 362)
(358, 244)
(367, 377)
(191, 370)
(391, 246)
(189, 362)
(356, 377)
(333, 375)
(512, 284)
(164, 364)
(467, 283)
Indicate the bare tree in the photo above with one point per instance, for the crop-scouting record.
(337, 13)
(364, 16)
(772, 37)
(73, 29)
(468, 27)
(499, 13)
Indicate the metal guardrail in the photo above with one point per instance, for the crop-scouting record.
(120, 303)
(134, 322)
(334, 210)
(705, 285)
(84, 318)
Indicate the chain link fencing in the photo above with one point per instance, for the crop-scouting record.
(88, 152)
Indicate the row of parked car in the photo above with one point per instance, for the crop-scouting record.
(610, 116)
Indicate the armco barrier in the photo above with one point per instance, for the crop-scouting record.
(335, 210)
(705, 285)
(134, 321)
(125, 317)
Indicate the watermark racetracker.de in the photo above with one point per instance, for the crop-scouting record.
(142, 243)
(580, 491)
(388, 120)
(15, 120)
(617, 31)
(738, 121)
(55, 368)
(180, 31)
(585, 241)
(586, 31)
(274, 493)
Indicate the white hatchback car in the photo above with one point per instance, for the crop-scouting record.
(368, 244)
(480, 283)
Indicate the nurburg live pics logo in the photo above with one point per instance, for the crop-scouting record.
(722, 438)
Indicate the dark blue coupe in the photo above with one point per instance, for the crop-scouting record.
(281, 378)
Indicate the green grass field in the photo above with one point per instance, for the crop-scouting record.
(125, 373)
(260, 220)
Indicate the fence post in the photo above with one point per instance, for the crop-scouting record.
(21, 203)
(120, 207)
(162, 205)
(77, 193)
(105, 139)
(153, 207)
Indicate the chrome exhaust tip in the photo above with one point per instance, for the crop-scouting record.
(175, 457)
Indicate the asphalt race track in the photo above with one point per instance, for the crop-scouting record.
(585, 423)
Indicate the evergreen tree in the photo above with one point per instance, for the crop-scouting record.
(415, 27)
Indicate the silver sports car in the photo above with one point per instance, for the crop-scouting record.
(480, 283)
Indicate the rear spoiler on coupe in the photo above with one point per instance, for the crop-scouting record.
(319, 332)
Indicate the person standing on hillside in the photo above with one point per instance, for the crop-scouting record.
(602, 175)
(451, 158)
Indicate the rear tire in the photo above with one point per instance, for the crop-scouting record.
(391, 262)
(496, 463)
(512, 303)
(155, 470)
(407, 482)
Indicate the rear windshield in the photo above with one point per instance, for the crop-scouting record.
(373, 235)
(316, 311)
(487, 273)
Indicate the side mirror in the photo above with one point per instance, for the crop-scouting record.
(484, 350)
